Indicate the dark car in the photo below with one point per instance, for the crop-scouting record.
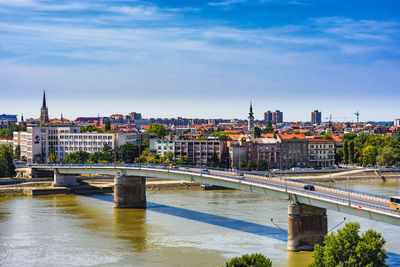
(205, 171)
(240, 174)
(309, 187)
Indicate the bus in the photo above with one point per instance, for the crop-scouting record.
(394, 203)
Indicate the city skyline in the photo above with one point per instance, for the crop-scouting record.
(208, 60)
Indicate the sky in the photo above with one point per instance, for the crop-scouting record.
(201, 59)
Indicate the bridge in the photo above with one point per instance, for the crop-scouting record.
(306, 212)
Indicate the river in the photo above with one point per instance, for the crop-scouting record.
(179, 228)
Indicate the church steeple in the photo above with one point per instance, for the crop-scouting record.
(44, 113)
(250, 124)
(44, 99)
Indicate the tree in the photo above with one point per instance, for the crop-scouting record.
(327, 136)
(128, 153)
(369, 155)
(262, 165)
(338, 156)
(17, 152)
(388, 156)
(351, 151)
(91, 128)
(269, 128)
(53, 158)
(169, 156)
(79, 157)
(157, 129)
(107, 125)
(348, 248)
(345, 151)
(7, 167)
(182, 161)
(253, 260)
(251, 164)
(214, 161)
(257, 132)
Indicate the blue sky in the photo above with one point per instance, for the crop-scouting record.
(201, 59)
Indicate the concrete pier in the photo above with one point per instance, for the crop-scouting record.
(64, 180)
(129, 192)
(307, 226)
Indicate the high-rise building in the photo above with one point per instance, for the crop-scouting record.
(268, 116)
(397, 122)
(277, 116)
(44, 113)
(250, 125)
(316, 117)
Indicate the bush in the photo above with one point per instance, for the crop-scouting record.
(253, 260)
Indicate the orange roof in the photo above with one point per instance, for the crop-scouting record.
(291, 136)
(302, 130)
(268, 135)
(336, 138)
(145, 127)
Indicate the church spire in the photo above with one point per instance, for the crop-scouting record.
(44, 99)
(250, 124)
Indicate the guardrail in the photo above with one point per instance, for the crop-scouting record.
(282, 186)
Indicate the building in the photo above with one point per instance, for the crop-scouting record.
(250, 122)
(396, 122)
(38, 142)
(199, 152)
(293, 150)
(268, 116)
(321, 153)
(44, 113)
(316, 117)
(161, 147)
(10, 118)
(277, 116)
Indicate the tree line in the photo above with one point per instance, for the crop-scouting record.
(369, 149)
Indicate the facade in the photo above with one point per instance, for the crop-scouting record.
(237, 154)
(250, 123)
(268, 116)
(161, 147)
(132, 138)
(44, 113)
(321, 153)
(277, 116)
(316, 117)
(6, 117)
(397, 122)
(263, 148)
(41, 141)
(198, 152)
(293, 150)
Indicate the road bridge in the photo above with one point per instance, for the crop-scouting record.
(306, 212)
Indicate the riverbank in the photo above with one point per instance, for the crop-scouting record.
(43, 186)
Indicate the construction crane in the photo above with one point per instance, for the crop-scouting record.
(358, 115)
(330, 118)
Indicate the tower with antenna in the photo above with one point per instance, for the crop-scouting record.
(357, 115)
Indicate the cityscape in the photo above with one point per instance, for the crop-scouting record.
(215, 133)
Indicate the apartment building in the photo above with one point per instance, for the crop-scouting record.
(316, 117)
(61, 140)
(161, 147)
(198, 152)
(321, 153)
(293, 150)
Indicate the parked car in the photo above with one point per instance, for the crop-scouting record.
(309, 187)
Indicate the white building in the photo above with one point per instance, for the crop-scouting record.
(62, 140)
(321, 153)
(161, 147)
(397, 122)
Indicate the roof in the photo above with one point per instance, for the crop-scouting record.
(319, 140)
(291, 136)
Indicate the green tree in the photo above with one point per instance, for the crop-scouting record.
(182, 161)
(369, 155)
(92, 128)
(269, 128)
(388, 156)
(170, 156)
(348, 248)
(257, 132)
(214, 161)
(79, 157)
(339, 156)
(17, 152)
(7, 167)
(327, 136)
(251, 164)
(53, 158)
(253, 260)
(157, 129)
(128, 153)
(351, 151)
(345, 151)
(262, 165)
(107, 125)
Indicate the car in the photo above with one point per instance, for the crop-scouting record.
(240, 174)
(309, 187)
(205, 171)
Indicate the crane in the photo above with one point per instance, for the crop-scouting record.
(330, 118)
(358, 115)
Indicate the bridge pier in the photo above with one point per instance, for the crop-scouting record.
(307, 226)
(64, 180)
(129, 192)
